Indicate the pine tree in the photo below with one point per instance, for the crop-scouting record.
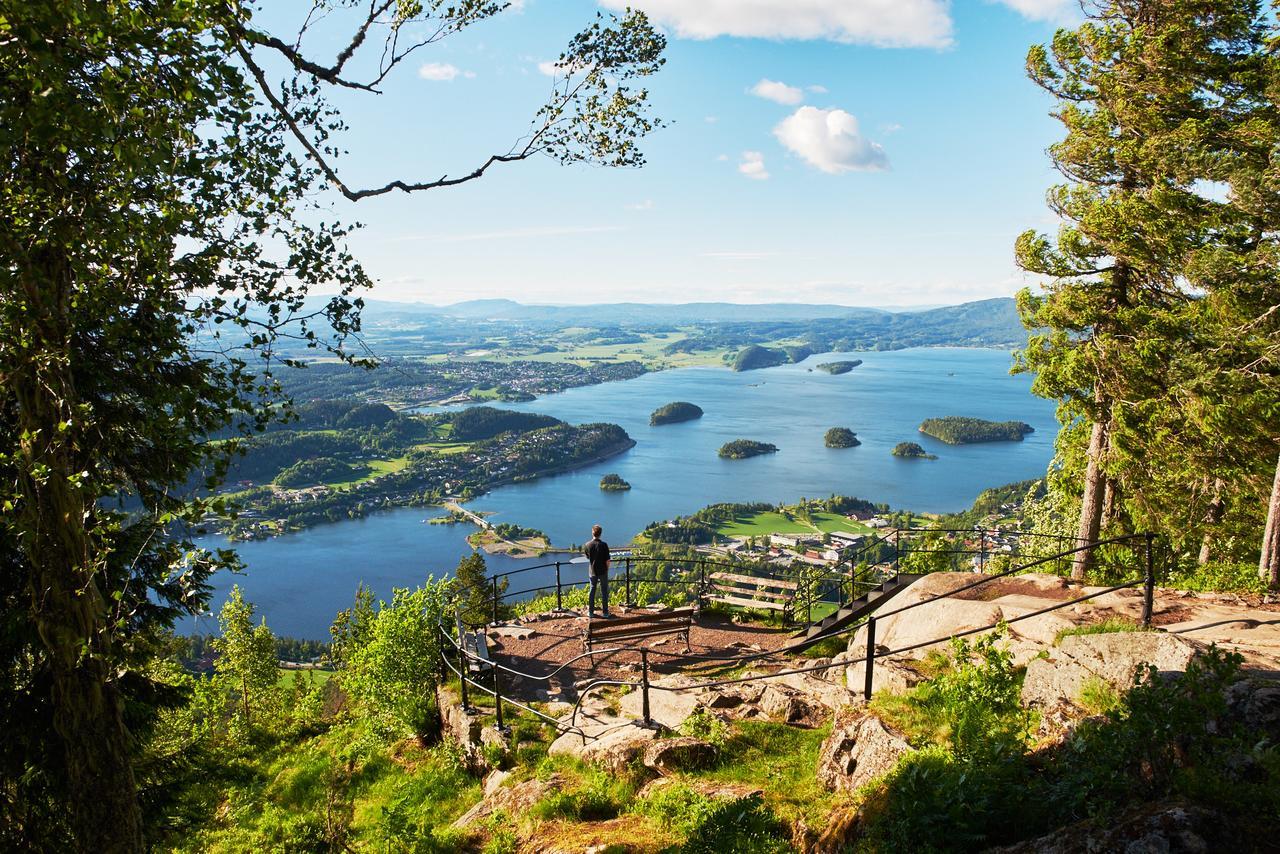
(1148, 91)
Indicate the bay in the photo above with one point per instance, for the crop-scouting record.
(301, 580)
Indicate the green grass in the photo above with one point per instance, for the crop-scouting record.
(289, 675)
(1110, 625)
(771, 522)
(780, 759)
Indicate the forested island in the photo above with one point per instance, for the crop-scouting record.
(835, 368)
(959, 430)
(312, 470)
(841, 437)
(674, 413)
(911, 450)
(755, 357)
(614, 483)
(741, 449)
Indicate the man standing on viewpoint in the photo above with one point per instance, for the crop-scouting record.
(597, 552)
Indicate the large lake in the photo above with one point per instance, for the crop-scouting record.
(299, 581)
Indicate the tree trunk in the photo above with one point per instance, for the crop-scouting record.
(1217, 507)
(1091, 502)
(1269, 563)
(67, 607)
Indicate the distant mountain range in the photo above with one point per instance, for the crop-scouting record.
(383, 311)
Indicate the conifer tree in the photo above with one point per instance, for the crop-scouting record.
(1150, 94)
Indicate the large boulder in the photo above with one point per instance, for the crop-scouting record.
(859, 749)
(613, 749)
(668, 755)
(511, 800)
(1255, 704)
(937, 618)
(1112, 658)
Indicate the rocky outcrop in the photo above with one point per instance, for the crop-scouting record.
(512, 800)
(669, 755)
(859, 749)
(613, 749)
(1255, 704)
(1111, 658)
(1159, 828)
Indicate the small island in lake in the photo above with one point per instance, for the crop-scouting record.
(841, 437)
(911, 450)
(958, 430)
(756, 357)
(674, 413)
(740, 449)
(613, 483)
(834, 368)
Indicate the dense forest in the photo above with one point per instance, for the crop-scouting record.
(957, 430)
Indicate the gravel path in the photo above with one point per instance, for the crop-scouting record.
(538, 648)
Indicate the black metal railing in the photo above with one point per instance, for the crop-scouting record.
(1141, 548)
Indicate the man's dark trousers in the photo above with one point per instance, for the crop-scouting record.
(601, 581)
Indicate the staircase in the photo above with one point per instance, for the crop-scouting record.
(858, 608)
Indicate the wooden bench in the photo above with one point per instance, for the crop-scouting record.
(474, 644)
(636, 626)
(750, 591)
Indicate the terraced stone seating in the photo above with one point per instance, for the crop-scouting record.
(749, 591)
(601, 631)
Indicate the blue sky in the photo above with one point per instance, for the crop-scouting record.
(758, 191)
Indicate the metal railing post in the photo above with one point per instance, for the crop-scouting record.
(497, 695)
(644, 687)
(463, 666)
(871, 659)
(808, 598)
(1149, 583)
(559, 601)
(897, 548)
(495, 600)
(982, 551)
(626, 566)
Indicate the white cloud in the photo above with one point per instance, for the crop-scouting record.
(1053, 11)
(646, 205)
(711, 119)
(831, 141)
(891, 127)
(817, 89)
(776, 91)
(884, 23)
(549, 67)
(722, 157)
(442, 71)
(752, 166)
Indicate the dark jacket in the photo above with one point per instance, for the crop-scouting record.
(597, 552)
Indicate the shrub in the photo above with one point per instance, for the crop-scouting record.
(746, 825)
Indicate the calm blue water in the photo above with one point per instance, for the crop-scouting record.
(301, 580)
